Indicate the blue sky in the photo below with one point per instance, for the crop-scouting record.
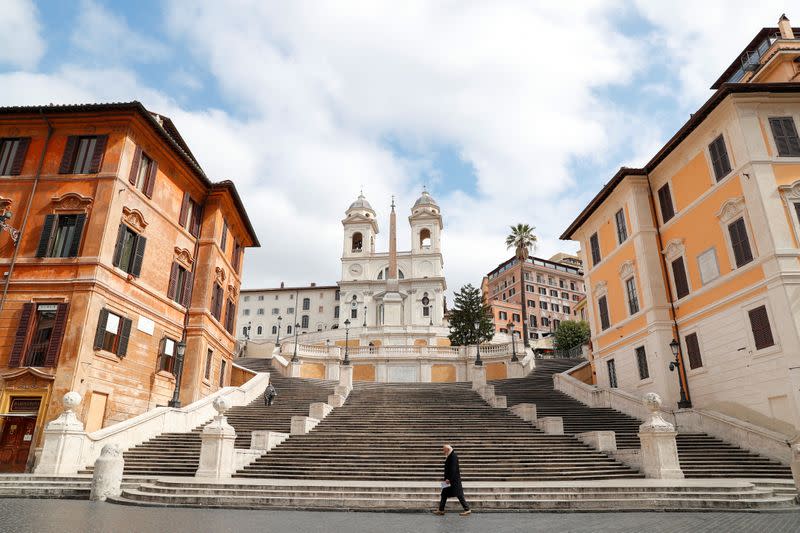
(507, 111)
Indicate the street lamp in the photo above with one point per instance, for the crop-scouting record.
(478, 361)
(4, 225)
(278, 338)
(514, 357)
(365, 316)
(675, 346)
(346, 342)
(180, 351)
(296, 328)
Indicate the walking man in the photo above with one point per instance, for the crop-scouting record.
(451, 486)
(269, 395)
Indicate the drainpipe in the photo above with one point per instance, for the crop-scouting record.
(27, 210)
(681, 368)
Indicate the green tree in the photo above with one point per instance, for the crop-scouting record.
(470, 307)
(571, 333)
(523, 240)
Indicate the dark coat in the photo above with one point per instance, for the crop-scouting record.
(452, 472)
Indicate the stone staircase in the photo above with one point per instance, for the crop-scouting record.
(395, 431)
(77, 487)
(701, 455)
(178, 454)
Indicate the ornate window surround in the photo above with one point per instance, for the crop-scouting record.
(627, 270)
(731, 209)
(790, 194)
(134, 219)
(673, 250)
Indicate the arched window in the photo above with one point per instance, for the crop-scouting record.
(384, 274)
(289, 329)
(425, 238)
(305, 322)
(274, 330)
(306, 304)
(259, 330)
(354, 307)
(358, 241)
(426, 305)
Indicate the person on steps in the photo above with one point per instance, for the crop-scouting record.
(451, 486)
(269, 395)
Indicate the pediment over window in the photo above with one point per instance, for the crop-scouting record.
(791, 191)
(5, 203)
(600, 288)
(673, 249)
(220, 273)
(134, 218)
(183, 257)
(72, 202)
(627, 269)
(233, 292)
(732, 208)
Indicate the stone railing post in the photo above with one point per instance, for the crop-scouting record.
(478, 377)
(64, 439)
(526, 411)
(796, 467)
(217, 452)
(346, 376)
(659, 448)
(515, 369)
(107, 475)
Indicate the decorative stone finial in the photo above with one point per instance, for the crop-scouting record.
(652, 401)
(70, 401)
(221, 404)
(656, 423)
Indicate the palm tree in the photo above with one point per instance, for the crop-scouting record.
(523, 240)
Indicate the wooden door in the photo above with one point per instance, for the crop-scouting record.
(97, 411)
(16, 438)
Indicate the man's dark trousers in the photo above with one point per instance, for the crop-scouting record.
(452, 473)
(456, 490)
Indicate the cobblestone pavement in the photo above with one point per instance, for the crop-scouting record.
(67, 516)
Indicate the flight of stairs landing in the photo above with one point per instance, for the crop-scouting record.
(700, 455)
(395, 431)
(178, 454)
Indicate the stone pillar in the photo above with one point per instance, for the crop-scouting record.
(303, 424)
(64, 438)
(659, 449)
(294, 369)
(217, 453)
(486, 392)
(796, 467)
(478, 377)
(515, 369)
(552, 425)
(604, 441)
(336, 400)
(346, 376)
(526, 411)
(319, 410)
(107, 476)
(266, 440)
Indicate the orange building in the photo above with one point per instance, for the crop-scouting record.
(552, 288)
(125, 249)
(701, 248)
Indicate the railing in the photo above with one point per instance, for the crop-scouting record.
(572, 353)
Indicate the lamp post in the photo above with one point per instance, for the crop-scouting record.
(346, 342)
(365, 316)
(4, 226)
(180, 351)
(296, 328)
(278, 337)
(675, 346)
(478, 361)
(514, 357)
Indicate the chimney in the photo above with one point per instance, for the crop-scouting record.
(281, 284)
(313, 284)
(785, 27)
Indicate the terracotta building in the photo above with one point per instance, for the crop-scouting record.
(693, 261)
(552, 288)
(125, 248)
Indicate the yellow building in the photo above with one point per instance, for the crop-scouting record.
(702, 245)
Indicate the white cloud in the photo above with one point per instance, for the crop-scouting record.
(108, 37)
(21, 43)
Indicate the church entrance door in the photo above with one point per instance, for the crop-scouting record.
(16, 434)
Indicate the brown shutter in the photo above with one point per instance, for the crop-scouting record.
(44, 239)
(99, 151)
(187, 289)
(69, 155)
(197, 219)
(665, 201)
(762, 332)
(679, 273)
(124, 336)
(100, 332)
(74, 246)
(150, 180)
(740, 243)
(21, 338)
(184, 210)
(137, 160)
(138, 257)
(602, 304)
(224, 240)
(19, 157)
(214, 298)
(693, 350)
(57, 337)
(118, 245)
(173, 281)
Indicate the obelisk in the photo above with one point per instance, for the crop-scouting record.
(392, 300)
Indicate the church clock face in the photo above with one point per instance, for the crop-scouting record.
(356, 269)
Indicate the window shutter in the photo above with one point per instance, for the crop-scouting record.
(224, 240)
(57, 337)
(197, 218)
(118, 246)
(80, 222)
(137, 160)
(22, 335)
(173, 282)
(184, 210)
(150, 180)
(187, 289)
(69, 155)
(19, 157)
(797, 210)
(739, 242)
(138, 258)
(759, 323)
(99, 151)
(785, 135)
(124, 336)
(602, 304)
(693, 350)
(665, 202)
(679, 273)
(44, 239)
(101, 329)
(215, 301)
